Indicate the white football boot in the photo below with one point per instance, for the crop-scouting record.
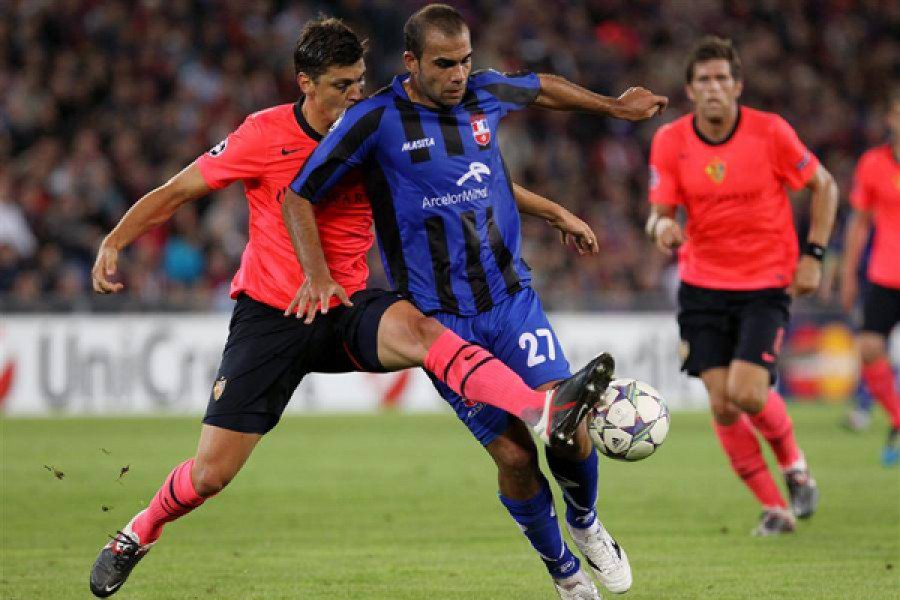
(577, 587)
(606, 558)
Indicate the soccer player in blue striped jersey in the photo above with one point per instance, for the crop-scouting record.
(450, 240)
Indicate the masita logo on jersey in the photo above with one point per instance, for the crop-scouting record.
(481, 131)
(417, 144)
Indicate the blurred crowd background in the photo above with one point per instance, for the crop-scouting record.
(103, 100)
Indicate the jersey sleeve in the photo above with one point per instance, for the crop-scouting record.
(347, 145)
(242, 155)
(861, 194)
(794, 163)
(512, 91)
(664, 186)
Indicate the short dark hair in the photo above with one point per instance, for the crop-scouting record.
(445, 19)
(326, 42)
(713, 48)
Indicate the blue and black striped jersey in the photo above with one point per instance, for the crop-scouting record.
(441, 194)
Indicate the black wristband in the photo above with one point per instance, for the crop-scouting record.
(814, 250)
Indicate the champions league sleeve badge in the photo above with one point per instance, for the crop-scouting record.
(218, 148)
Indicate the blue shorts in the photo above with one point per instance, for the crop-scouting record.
(518, 333)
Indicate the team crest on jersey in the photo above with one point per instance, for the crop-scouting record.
(715, 170)
(481, 131)
(219, 148)
(219, 388)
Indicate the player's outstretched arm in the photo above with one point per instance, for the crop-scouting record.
(318, 287)
(663, 229)
(855, 236)
(152, 210)
(570, 227)
(636, 104)
(823, 209)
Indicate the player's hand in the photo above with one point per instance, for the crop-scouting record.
(574, 230)
(313, 295)
(105, 267)
(849, 292)
(807, 277)
(668, 235)
(638, 103)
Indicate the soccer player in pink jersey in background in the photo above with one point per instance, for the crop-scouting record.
(728, 166)
(876, 201)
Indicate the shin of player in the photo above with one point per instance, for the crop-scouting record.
(739, 264)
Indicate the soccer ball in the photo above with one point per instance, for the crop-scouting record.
(631, 422)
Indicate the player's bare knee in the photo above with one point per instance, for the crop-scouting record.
(871, 347)
(209, 480)
(724, 412)
(427, 330)
(750, 398)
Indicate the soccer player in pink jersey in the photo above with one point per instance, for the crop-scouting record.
(728, 166)
(269, 351)
(876, 201)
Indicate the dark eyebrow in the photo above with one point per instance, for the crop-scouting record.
(444, 59)
(348, 80)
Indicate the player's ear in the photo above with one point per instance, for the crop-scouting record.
(738, 88)
(689, 92)
(305, 83)
(411, 62)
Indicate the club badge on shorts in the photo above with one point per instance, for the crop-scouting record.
(481, 131)
(219, 388)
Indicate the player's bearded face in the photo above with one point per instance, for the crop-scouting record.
(336, 89)
(714, 90)
(442, 72)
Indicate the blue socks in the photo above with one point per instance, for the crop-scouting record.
(537, 519)
(578, 481)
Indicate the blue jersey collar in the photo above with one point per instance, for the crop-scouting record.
(397, 86)
(400, 91)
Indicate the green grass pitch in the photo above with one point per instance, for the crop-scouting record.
(403, 507)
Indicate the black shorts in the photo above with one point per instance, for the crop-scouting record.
(881, 309)
(719, 326)
(267, 355)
